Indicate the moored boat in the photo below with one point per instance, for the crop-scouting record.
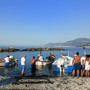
(12, 62)
(38, 62)
(63, 63)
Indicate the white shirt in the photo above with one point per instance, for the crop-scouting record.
(82, 58)
(6, 59)
(41, 58)
(22, 61)
(87, 66)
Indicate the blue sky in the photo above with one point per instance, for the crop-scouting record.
(38, 22)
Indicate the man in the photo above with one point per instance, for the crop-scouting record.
(33, 65)
(76, 64)
(40, 57)
(23, 63)
(6, 61)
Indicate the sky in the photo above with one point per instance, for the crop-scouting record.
(38, 22)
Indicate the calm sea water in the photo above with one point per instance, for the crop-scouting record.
(47, 70)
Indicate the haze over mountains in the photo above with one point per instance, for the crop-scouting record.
(73, 43)
(79, 42)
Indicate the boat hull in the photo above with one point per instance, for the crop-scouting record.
(43, 63)
(12, 63)
(64, 64)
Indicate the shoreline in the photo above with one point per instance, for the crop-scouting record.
(59, 83)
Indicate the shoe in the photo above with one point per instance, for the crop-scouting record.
(22, 75)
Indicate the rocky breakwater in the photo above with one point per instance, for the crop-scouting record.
(42, 49)
(8, 49)
(28, 49)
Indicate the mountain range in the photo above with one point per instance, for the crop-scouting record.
(79, 42)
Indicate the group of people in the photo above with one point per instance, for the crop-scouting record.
(33, 60)
(44, 57)
(81, 66)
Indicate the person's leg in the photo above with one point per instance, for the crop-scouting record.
(86, 73)
(81, 73)
(74, 70)
(78, 67)
(78, 72)
(73, 73)
(23, 68)
(22, 72)
(7, 65)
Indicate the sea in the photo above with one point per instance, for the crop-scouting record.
(40, 71)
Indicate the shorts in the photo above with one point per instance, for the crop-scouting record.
(6, 64)
(87, 67)
(33, 65)
(23, 67)
(76, 66)
(82, 67)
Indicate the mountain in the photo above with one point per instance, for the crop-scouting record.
(73, 43)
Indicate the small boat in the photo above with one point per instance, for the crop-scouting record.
(12, 62)
(63, 63)
(43, 63)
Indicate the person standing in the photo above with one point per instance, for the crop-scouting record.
(33, 66)
(76, 64)
(44, 57)
(40, 57)
(23, 64)
(82, 68)
(83, 60)
(87, 67)
(6, 61)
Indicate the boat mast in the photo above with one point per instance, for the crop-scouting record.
(68, 51)
(84, 50)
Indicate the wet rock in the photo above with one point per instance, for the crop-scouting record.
(61, 83)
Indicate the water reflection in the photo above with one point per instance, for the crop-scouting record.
(39, 71)
(43, 71)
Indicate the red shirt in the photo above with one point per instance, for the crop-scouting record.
(33, 61)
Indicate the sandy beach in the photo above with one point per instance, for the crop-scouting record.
(45, 83)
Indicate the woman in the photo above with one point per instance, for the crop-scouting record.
(87, 67)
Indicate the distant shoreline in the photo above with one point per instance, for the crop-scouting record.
(29, 49)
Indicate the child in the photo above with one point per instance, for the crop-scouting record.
(87, 66)
(82, 68)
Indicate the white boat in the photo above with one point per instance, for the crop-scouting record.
(43, 63)
(64, 62)
(12, 62)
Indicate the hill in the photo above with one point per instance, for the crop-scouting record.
(72, 43)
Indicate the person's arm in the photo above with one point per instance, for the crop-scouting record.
(73, 61)
(3, 60)
(25, 62)
(79, 60)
